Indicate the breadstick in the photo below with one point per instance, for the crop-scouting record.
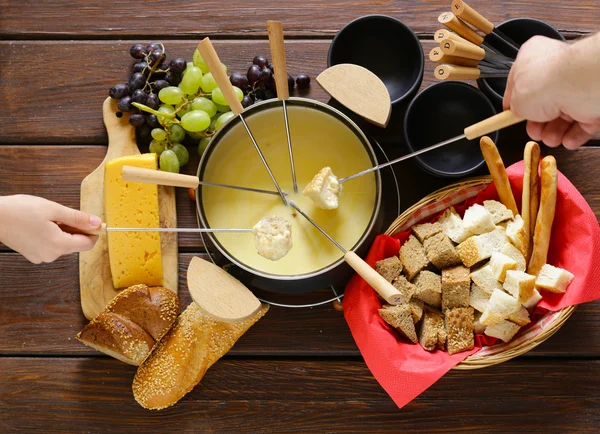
(531, 193)
(498, 172)
(545, 217)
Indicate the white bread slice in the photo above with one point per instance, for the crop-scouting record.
(521, 316)
(512, 252)
(478, 220)
(478, 298)
(534, 300)
(500, 264)
(484, 278)
(553, 279)
(500, 306)
(516, 233)
(498, 211)
(504, 330)
(481, 247)
(519, 284)
(453, 226)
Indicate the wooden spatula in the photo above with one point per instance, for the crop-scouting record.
(219, 294)
(359, 90)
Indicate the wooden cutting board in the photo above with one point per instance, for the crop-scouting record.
(95, 280)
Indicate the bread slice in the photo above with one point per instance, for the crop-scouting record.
(500, 264)
(484, 278)
(428, 288)
(413, 258)
(389, 268)
(534, 300)
(516, 233)
(478, 220)
(512, 252)
(481, 247)
(500, 306)
(479, 328)
(324, 189)
(426, 230)
(520, 285)
(553, 279)
(441, 252)
(520, 316)
(400, 317)
(416, 309)
(478, 298)
(456, 285)
(498, 211)
(504, 330)
(460, 325)
(433, 331)
(183, 356)
(453, 226)
(406, 288)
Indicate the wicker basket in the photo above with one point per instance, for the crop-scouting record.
(522, 342)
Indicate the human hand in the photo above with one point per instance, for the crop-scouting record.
(552, 84)
(28, 225)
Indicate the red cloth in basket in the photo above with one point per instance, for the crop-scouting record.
(404, 369)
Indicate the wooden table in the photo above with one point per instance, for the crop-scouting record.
(297, 369)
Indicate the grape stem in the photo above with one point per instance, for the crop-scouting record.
(160, 59)
(154, 112)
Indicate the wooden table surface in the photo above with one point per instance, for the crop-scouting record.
(297, 369)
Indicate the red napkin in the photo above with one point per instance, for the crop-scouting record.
(404, 369)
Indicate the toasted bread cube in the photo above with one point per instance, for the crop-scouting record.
(512, 252)
(389, 268)
(515, 231)
(484, 278)
(456, 286)
(553, 279)
(441, 252)
(481, 247)
(428, 288)
(413, 258)
(478, 298)
(478, 220)
(500, 306)
(400, 317)
(433, 330)
(498, 211)
(519, 284)
(479, 328)
(460, 326)
(406, 288)
(416, 309)
(426, 230)
(324, 189)
(520, 317)
(534, 300)
(504, 330)
(500, 264)
(453, 226)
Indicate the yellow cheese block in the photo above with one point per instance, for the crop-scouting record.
(135, 257)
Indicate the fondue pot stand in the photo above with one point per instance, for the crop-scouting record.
(335, 274)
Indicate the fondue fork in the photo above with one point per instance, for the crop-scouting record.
(275, 30)
(211, 58)
(104, 229)
(384, 288)
(451, 72)
(467, 50)
(486, 126)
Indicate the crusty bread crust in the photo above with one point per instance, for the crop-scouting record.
(531, 193)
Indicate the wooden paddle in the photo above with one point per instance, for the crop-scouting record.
(359, 90)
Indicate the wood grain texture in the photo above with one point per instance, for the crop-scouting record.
(264, 396)
(41, 314)
(247, 18)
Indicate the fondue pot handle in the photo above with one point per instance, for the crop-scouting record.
(159, 177)
(384, 288)
(491, 124)
(211, 58)
(275, 30)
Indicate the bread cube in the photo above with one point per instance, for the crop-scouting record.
(515, 231)
(498, 211)
(428, 288)
(484, 278)
(500, 264)
(519, 284)
(324, 189)
(416, 309)
(441, 252)
(433, 331)
(512, 252)
(520, 316)
(534, 300)
(406, 288)
(479, 328)
(481, 247)
(553, 279)
(413, 258)
(453, 226)
(400, 317)
(460, 326)
(426, 230)
(389, 268)
(504, 330)
(478, 220)
(499, 307)
(478, 298)
(456, 286)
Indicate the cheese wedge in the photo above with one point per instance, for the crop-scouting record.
(135, 257)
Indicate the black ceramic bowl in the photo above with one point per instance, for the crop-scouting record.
(443, 111)
(384, 46)
(519, 30)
